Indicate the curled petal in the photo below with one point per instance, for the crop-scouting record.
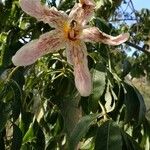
(42, 13)
(78, 56)
(93, 34)
(29, 53)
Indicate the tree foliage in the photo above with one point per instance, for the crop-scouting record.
(40, 107)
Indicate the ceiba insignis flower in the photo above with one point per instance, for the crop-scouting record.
(71, 33)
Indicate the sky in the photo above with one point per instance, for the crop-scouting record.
(139, 4)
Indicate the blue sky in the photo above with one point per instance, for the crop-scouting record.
(139, 4)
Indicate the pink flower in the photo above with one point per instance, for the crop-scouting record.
(71, 33)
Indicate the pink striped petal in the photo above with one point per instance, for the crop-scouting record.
(93, 34)
(78, 57)
(42, 13)
(88, 6)
(83, 80)
(75, 50)
(29, 53)
(77, 13)
(82, 11)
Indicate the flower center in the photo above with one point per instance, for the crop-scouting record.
(72, 30)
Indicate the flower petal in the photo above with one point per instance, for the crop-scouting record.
(78, 57)
(93, 34)
(83, 79)
(76, 13)
(29, 53)
(82, 11)
(42, 13)
(88, 6)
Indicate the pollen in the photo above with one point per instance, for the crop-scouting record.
(66, 29)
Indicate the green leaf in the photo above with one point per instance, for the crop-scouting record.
(17, 138)
(30, 135)
(102, 25)
(98, 88)
(142, 109)
(135, 106)
(108, 137)
(40, 142)
(52, 144)
(126, 68)
(110, 102)
(4, 114)
(26, 120)
(17, 98)
(18, 76)
(128, 142)
(145, 142)
(34, 136)
(2, 140)
(80, 130)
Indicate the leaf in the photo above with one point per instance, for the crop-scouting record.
(145, 142)
(108, 137)
(142, 109)
(30, 135)
(126, 67)
(98, 88)
(26, 120)
(17, 98)
(40, 142)
(2, 140)
(34, 135)
(128, 142)
(101, 24)
(80, 130)
(17, 138)
(135, 106)
(18, 76)
(110, 102)
(4, 114)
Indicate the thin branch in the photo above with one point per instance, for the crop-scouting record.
(138, 48)
(129, 19)
(132, 5)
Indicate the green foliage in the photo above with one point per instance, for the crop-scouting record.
(108, 137)
(40, 107)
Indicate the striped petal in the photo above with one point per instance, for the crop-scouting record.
(78, 56)
(82, 11)
(93, 34)
(88, 6)
(42, 13)
(29, 53)
(76, 13)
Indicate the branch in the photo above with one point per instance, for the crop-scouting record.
(126, 19)
(138, 48)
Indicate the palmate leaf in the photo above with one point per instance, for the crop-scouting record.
(108, 137)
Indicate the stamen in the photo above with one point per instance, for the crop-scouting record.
(73, 24)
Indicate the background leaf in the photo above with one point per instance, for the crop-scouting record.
(108, 137)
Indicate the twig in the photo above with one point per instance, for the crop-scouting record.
(138, 48)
